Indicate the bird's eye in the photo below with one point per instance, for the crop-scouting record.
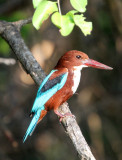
(78, 57)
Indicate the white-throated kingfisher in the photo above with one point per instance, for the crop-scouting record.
(60, 85)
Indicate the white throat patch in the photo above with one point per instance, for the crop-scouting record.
(76, 77)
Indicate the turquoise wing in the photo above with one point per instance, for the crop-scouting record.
(46, 79)
(48, 89)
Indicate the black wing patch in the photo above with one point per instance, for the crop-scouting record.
(51, 83)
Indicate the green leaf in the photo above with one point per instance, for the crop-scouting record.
(36, 3)
(64, 22)
(56, 19)
(86, 27)
(43, 11)
(79, 5)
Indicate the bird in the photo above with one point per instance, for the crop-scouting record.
(61, 83)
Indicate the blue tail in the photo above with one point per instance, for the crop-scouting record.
(32, 124)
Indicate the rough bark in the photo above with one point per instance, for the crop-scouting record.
(10, 32)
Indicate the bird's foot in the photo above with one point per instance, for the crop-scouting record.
(63, 115)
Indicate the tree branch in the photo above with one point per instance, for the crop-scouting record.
(10, 32)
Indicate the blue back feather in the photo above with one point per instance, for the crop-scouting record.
(45, 80)
(41, 99)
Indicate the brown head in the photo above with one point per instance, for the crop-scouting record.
(79, 59)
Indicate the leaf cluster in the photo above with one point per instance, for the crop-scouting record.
(65, 23)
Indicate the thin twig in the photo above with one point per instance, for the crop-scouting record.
(7, 61)
(59, 8)
(21, 23)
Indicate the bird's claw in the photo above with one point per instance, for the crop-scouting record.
(66, 114)
(63, 115)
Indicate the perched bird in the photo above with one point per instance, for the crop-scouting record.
(60, 85)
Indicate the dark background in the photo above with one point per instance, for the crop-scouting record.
(98, 102)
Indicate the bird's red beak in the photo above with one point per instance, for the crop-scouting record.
(95, 64)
